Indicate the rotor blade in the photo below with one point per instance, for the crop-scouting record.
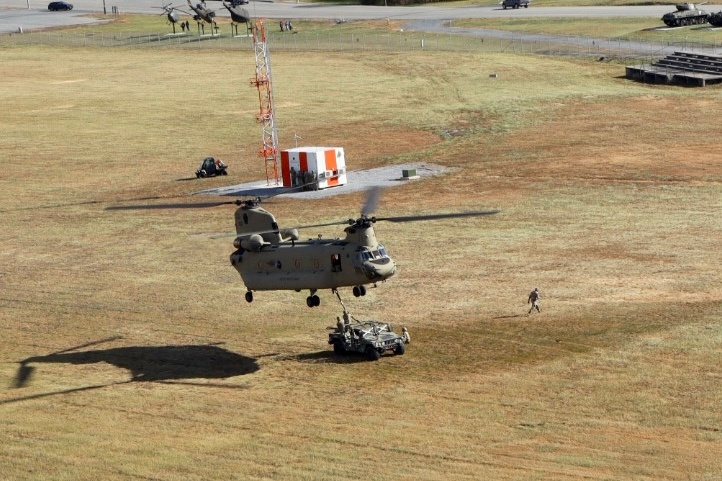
(197, 205)
(372, 201)
(416, 218)
(88, 344)
(25, 371)
(23, 376)
(338, 222)
(261, 232)
(343, 222)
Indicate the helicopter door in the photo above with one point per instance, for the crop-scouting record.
(336, 263)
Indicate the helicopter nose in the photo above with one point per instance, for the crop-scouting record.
(380, 269)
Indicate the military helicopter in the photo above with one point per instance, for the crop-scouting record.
(203, 14)
(269, 258)
(238, 13)
(171, 14)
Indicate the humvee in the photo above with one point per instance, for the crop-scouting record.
(370, 338)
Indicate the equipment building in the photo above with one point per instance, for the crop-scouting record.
(328, 163)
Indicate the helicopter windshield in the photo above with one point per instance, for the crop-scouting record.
(367, 254)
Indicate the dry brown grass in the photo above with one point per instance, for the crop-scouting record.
(610, 193)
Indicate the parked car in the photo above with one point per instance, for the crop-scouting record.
(60, 6)
(514, 4)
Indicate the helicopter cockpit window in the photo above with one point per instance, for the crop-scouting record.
(364, 255)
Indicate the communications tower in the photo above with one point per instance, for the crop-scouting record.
(267, 115)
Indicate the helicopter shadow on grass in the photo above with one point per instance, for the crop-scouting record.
(511, 316)
(328, 357)
(167, 364)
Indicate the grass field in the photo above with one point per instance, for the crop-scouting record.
(628, 28)
(129, 352)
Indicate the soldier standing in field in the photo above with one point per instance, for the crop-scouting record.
(534, 297)
(405, 335)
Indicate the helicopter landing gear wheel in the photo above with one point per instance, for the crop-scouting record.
(313, 301)
(359, 291)
(249, 296)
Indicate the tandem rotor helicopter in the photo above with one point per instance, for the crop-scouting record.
(270, 258)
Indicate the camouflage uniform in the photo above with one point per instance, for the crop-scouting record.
(534, 297)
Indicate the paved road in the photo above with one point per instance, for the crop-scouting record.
(15, 14)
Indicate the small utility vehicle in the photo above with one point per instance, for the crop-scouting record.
(211, 167)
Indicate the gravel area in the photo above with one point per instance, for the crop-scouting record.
(358, 180)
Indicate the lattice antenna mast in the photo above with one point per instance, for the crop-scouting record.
(266, 115)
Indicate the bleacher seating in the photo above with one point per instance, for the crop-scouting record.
(682, 68)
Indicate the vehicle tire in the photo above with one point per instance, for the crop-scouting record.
(249, 296)
(356, 291)
(223, 172)
(400, 349)
(372, 354)
(309, 301)
(338, 348)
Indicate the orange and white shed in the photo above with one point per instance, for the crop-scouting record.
(328, 163)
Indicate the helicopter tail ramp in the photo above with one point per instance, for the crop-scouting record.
(327, 163)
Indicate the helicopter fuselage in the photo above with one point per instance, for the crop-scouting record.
(202, 13)
(314, 264)
(238, 14)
